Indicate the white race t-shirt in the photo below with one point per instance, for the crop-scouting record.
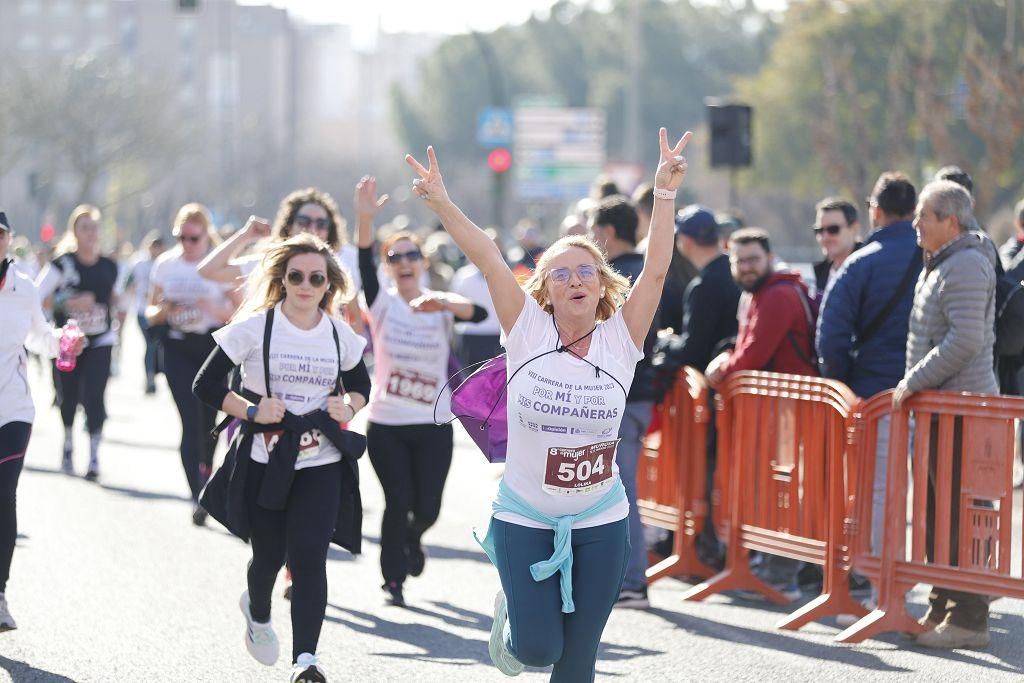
(410, 353)
(563, 420)
(303, 368)
(471, 283)
(181, 283)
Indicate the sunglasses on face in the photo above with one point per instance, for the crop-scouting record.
(410, 256)
(305, 222)
(830, 229)
(191, 239)
(297, 277)
(585, 272)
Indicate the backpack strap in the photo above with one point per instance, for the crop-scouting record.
(875, 325)
(267, 327)
(339, 385)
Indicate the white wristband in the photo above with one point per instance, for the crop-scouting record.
(662, 193)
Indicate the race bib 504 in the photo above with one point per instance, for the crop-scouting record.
(574, 471)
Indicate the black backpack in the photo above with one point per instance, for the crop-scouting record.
(1009, 318)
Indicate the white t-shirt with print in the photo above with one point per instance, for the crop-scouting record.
(410, 353)
(303, 368)
(181, 283)
(563, 419)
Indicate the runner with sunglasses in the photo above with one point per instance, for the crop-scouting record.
(293, 484)
(560, 490)
(81, 284)
(411, 347)
(184, 309)
(24, 326)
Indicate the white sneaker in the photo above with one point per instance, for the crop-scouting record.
(307, 670)
(6, 620)
(260, 639)
(500, 656)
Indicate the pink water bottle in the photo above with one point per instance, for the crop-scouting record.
(66, 359)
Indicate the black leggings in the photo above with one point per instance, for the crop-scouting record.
(13, 444)
(412, 464)
(302, 532)
(86, 384)
(182, 360)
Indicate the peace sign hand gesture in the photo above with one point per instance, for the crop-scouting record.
(672, 166)
(429, 186)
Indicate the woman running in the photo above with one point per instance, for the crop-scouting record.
(24, 326)
(80, 284)
(294, 484)
(411, 345)
(186, 308)
(582, 337)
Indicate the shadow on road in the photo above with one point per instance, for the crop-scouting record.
(776, 641)
(436, 644)
(114, 441)
(440, 552)
(146, 495)
(23, 673)
(439, 645)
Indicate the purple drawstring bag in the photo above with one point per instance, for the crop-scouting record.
(479, 404)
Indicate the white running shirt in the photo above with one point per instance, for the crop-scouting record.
(563, 420)
(303, 367)
(23, 325)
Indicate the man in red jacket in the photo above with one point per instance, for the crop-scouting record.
(776, 327)
(776, 333)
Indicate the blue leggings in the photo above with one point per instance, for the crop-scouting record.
(541, 634)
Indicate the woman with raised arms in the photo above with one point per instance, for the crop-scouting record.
(561, 508)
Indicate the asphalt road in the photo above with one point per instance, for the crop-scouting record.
(111, 582)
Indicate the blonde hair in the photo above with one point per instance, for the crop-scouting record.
(196, 213)
(269, 290)
(69, 242)
(616, 287)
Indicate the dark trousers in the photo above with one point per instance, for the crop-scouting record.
(85, 385)
(967, 610)
(13, 444)
(473, 348)
(411, 462)
(182, 360)
(541, 634)
(302, 533)
(151, 359)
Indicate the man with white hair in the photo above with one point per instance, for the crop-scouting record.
(949, 347)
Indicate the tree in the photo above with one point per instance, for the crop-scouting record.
(852, 88)
(83, 118)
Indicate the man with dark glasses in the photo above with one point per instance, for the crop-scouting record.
(837, 231)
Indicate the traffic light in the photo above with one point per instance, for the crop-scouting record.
(499, 160)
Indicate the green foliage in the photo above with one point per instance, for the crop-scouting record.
(853, 88)
(579, 55)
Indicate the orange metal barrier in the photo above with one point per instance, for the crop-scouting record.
(671, 474)
(783, 450)
(967, 434)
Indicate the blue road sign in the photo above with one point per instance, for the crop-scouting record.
(494, 127)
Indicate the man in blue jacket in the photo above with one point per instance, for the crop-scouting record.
(863, 322)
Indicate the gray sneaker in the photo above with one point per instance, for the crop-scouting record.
(6, 620)
(500, 656)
